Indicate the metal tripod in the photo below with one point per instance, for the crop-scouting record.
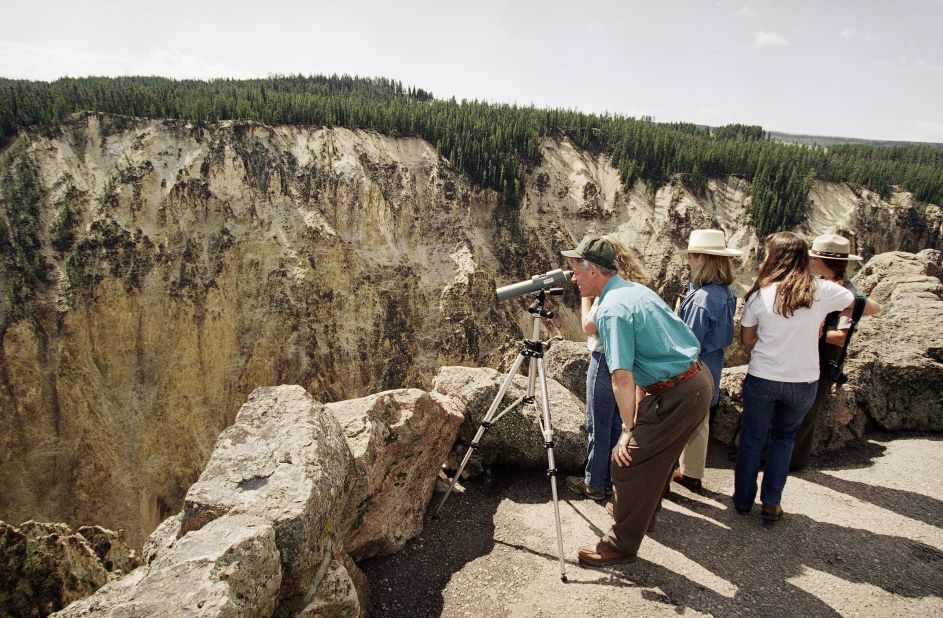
(533, 350)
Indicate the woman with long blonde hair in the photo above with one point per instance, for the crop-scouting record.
(782, 315)
(708, 309)
(603, 423)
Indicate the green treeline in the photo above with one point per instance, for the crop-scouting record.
(494, 144)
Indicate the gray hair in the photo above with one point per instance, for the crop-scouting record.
(605, 272)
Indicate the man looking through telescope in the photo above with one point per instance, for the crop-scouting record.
(662, 392)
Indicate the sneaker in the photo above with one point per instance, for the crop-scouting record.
(577, 485)
(772, 512)
(687, 481)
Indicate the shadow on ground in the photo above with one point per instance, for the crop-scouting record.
(756, 569)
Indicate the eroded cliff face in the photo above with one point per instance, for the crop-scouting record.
(181, 267)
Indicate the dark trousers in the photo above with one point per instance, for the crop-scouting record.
(806, 435)
(664, 423)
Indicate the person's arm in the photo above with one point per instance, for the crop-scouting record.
(699, 321)
(836, 337)
(749, 336)
(871, 308)
(623, 387)
(586, 318)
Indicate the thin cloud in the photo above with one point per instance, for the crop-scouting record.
(23, 61)
(747, 11)
(857, 35)
(769, 39)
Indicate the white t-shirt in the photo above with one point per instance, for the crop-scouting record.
(788, 348)
(593, 344)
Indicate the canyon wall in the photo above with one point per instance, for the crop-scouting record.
(174, 268)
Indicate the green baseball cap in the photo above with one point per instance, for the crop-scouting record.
(594, 249)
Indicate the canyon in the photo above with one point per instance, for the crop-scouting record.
(180, 267)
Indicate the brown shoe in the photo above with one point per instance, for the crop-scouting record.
(603, 554)
(577, 484)
(686, 481)
(772, 512)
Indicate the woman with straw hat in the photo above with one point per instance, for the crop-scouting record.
(708, 309)
(829, 258)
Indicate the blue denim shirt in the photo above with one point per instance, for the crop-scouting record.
(640, 333)
(708, 311)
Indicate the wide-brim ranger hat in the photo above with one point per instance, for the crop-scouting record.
(833, 247)
(710, 242)
(595, 249)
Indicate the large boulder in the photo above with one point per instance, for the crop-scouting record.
(286, 461)
(895, 362)
(229, 568)
(567, 362)
(399, 440)
(516, 438)
(339, 592)
(840, 421)
(44, 567)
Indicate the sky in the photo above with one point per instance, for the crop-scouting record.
(863, 68)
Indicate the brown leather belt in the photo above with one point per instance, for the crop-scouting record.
(657, 387)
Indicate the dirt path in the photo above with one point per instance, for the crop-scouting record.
(862, 536)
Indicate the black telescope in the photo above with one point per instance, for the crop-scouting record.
(553, 278)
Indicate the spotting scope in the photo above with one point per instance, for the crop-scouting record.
(553, 278)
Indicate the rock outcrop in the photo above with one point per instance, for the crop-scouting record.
(515, 438)
(895, 362)
(398, 440)
(44, 567)
(292, 490)
(567, 363)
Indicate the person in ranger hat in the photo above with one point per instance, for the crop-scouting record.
(708, 309)
(647, 347)
(830, 256)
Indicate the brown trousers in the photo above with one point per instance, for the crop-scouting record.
(664, 423)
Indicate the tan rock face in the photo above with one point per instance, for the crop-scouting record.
(398, 440)
(205, 262)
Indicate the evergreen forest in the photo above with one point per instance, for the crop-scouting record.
(494, 144)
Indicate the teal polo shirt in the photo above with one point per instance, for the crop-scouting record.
(640, 333)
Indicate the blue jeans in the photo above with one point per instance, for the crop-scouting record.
(774, 409)
(603, 423)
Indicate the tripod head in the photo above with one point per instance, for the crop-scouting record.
(536, 308)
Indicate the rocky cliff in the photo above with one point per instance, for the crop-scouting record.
(171, 269)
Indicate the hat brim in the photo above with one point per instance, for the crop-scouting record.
(572, 253)
(847, 258)
(721, 252)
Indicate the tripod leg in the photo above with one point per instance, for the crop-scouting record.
(485, 425)
(551, 463)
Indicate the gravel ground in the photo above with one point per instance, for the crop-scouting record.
(862, 536)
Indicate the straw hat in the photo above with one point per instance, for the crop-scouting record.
(833, 247)
(710, 242)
